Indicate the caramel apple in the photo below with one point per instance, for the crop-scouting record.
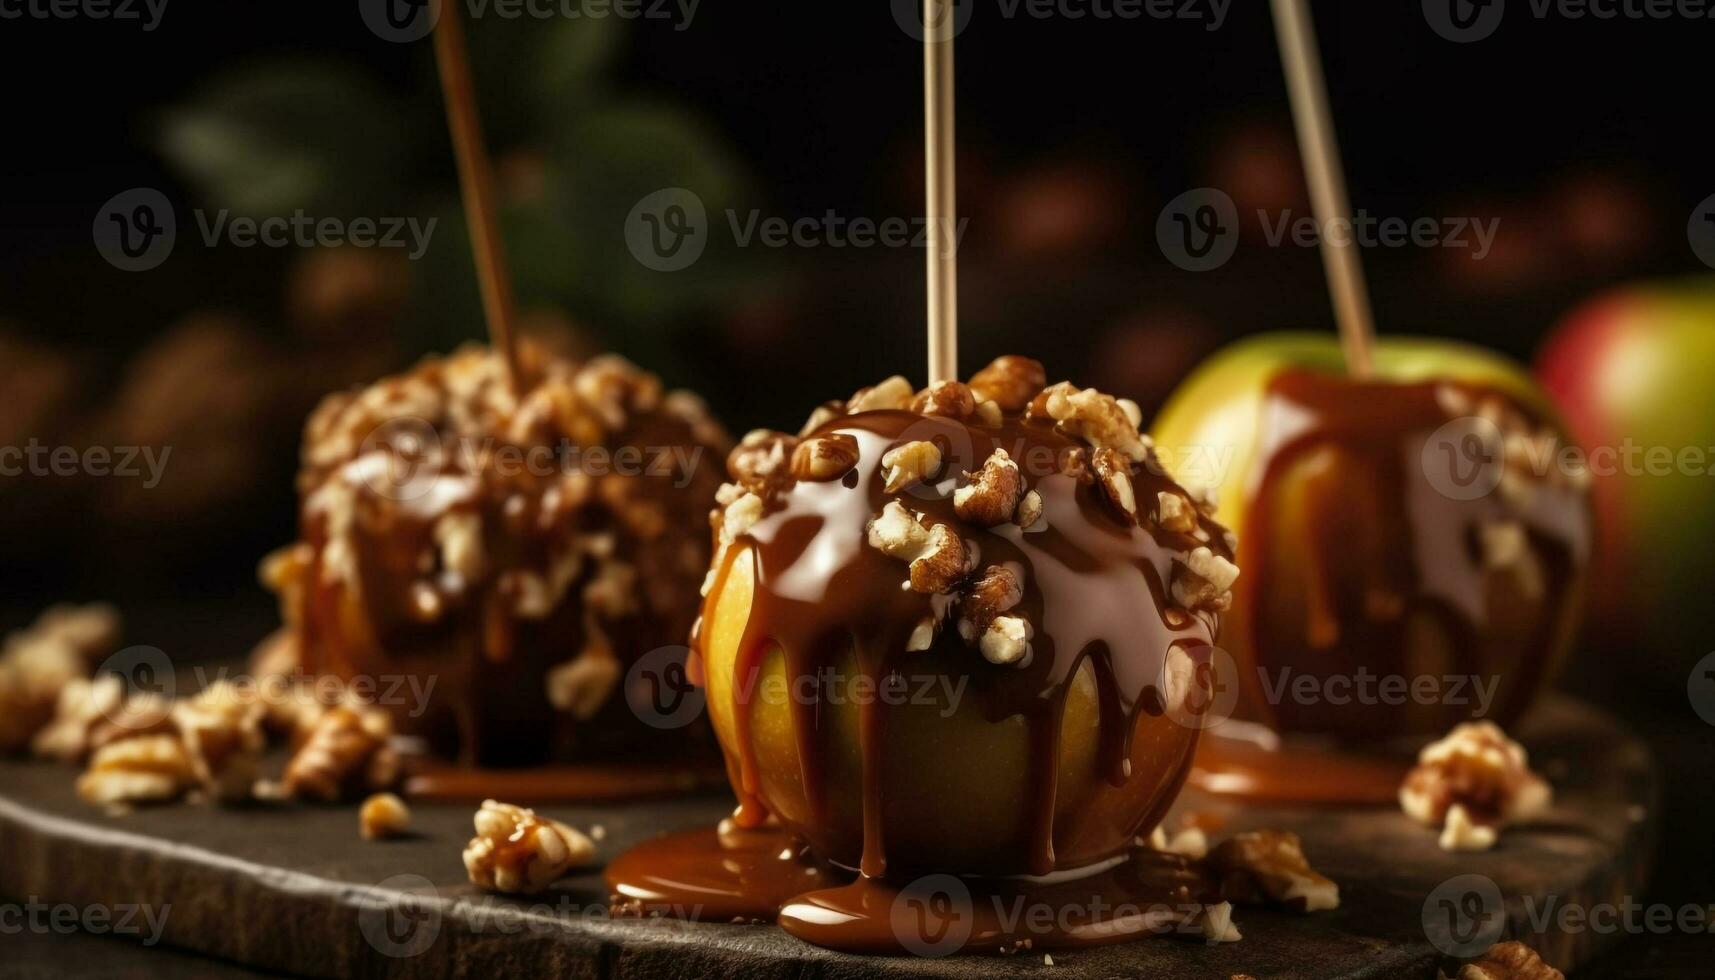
(488, 558)
(1414, 544)
(962, 630)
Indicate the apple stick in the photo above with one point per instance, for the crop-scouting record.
(942, 259)
(476, 185)
(1321, 153)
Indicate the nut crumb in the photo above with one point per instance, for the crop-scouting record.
(1270, 865)
(950, 399)
(894, 394)
(823, 458)
(516, 852)
(1510, 961)
(1010, 382)
(1482, 774)
(912, 463)
(991, 498)
(383, 815)
(344, 755)
(146, 769)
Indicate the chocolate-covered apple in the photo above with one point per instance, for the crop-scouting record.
(1414, 543)
(488, 560)
(957, 631)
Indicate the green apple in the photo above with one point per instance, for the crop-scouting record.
(1412, 546)
(1634, 372)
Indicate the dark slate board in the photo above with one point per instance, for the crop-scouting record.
(292, 888)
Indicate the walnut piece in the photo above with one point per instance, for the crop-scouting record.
(221, 729)
(1471, 783)
(516, 852)
(1510, 961)
(1006, 640)
(1029, 510)
(823, 414)
(36, 663)
(912, 463)
(1204, 581)
(994, 593)
(1010, 382)
(760, 461)
(1270, 865)
(894, 394)
(950, 399)
(146, 769)
(580, 686)
(942, 563)
(83, 705)
(346, 754)
(1191, 842)
(382, 816)
(1096, 418)
(1173, 512)
(824, 458)
(1113, 472)
(991, 498)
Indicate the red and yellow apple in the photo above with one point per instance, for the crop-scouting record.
(1634, 373)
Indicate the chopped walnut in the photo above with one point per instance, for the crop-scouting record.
(991, 498)
(1510, 961)
(922, 636)
(1113, 472)
(989, 413)
(1096, 418)
(222, 733)
(951, 399)
(1472, 783)
(1006, 640)
(516, 852)
(458, 535)
(1010, 382)
(38, 662)
(1173, 512)
(894, 394)
(1188, 843)
(83, 705)
(936, 557)
(1270, 865)
(761, 460)
(1029, 510)
(1204, 581)
(740, 516)
(942, 563)
(994, 593)
(824, 458)
(146, 769)
(580, 686)
(910, 464)
(823, 414)
(1216, 922)
(382, 816)
(345, 754)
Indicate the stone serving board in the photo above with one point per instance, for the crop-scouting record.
(292, 888)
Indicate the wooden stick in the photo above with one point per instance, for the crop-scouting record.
(476, 184)
(941, 262)
(1321, 153)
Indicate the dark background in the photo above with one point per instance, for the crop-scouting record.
(1587, 139)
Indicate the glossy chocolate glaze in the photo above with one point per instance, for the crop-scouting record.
(1097, 591)
(1375, 569)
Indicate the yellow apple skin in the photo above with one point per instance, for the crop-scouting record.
(957, 797)
(1216, 431)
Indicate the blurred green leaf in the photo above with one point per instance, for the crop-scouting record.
(269, 139)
